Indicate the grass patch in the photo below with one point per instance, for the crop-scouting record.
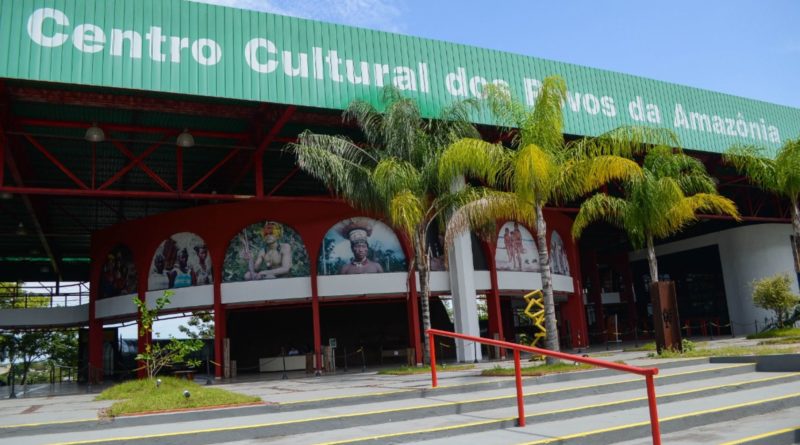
(138, 396)
(780, 341)
(408, 370)
(776, 333)
(726, 352)
(537, 370)
(645, 347)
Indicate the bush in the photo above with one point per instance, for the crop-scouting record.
(774, 294)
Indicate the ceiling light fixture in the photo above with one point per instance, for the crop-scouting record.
(95, 133)
(185, 139)
(21, 230)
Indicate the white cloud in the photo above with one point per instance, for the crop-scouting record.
(384, 15)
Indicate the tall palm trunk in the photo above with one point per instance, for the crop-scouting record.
(651, 260)
(425, 292)
(551, 341)
(796, 227)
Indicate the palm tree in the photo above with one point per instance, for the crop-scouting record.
(394, 174)
(667, 198)
(780, 175)
(538, 168)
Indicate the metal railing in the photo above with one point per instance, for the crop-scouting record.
(648, 373)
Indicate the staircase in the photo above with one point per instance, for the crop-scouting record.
(698, 402)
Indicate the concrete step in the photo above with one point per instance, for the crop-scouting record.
(428, 402)
(483, 426)
(780, 427)
(446, 414)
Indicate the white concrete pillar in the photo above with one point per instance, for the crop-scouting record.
(462, 288)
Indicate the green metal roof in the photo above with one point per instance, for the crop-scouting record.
(176, 46)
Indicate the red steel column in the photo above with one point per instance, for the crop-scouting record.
(219, 325)
(414, 335)
(95, 332)
(315, 318)
(493, 299)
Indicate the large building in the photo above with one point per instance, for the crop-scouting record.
(141, 149)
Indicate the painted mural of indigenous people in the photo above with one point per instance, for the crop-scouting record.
(274, 260)
(201, 270)
(158, 279)
(560, 260)
(181, 275)
(358, 232)
(508, 242)
(519, 249)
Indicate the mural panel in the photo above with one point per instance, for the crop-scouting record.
(180, 261)
(265, 251)
(361, 245)
(558, 255)
(118, 276)
(516, 249)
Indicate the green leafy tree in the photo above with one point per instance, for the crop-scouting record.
(774, 294)
(24, 348)
(779, 175)
(394, 173)
(156, 356)
(537, 169)
(200, 325)
(675, 187)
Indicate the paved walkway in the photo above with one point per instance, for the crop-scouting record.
(69, 401)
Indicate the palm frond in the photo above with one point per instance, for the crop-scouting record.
(339, 145)
(579, 177)
(753, 162)
(625, 141)
(788, 169)
(534, 172)
(544, 126)
(490, 207)
(473, 158)
(406, 212)
(392, 176)
(367, 118)
(600, 207)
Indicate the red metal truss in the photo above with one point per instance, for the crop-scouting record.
(89, 188)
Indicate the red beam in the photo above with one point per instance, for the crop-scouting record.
(131, 164)
(56, 162)
(258, 156)
(125, 128)
(122, 194)
(143, 166)
(283, 181)
(219, 164)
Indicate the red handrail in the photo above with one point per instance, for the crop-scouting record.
(648, 373)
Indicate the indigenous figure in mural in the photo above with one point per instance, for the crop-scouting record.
(361, 245)
(519, 249)
(358, 233)
(274, 260)
(201, 270)
(118, 275)
(508, 242)
(181, 275)
(158, 279)
(264, 251)
(559, 253)
(520, 253)
(181, 260)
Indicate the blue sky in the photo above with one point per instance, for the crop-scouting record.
(747, 48)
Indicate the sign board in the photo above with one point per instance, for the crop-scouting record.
(184, 47)
(332, 342)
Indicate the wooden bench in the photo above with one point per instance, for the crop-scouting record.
(187, 374)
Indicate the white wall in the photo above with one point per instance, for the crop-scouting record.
(46, 316)
(746, 253)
